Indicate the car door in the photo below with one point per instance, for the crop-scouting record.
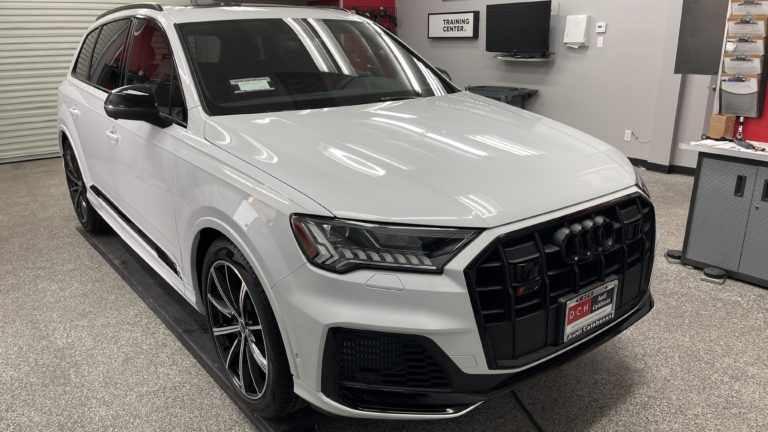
(95, 76)
(143, 153)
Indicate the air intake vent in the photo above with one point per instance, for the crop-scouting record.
(387, 360)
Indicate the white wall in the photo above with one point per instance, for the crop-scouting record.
(696, 106)
(628, 84)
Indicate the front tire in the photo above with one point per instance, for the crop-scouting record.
(245, 332)
(89, 218)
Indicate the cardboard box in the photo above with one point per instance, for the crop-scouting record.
(746, 25)
(747, 7)
(722, 126)
(745, 65)
(745, 46)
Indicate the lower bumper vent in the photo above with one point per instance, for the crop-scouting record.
(387, 372)
(387, 360)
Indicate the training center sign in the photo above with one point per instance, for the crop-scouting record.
(454, 25)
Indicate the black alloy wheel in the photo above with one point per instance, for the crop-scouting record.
(245, 332)
(89, 219)
(237, 330)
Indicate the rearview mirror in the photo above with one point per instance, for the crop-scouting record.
(135, 102)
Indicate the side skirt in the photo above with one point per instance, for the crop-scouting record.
(153, 254)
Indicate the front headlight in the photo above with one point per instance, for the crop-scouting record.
(640, 183)
(341, 245)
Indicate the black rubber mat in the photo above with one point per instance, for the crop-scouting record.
(186, 324)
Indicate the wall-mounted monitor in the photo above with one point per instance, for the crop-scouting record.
(518, 28)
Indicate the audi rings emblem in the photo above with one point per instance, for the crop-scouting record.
(580, 241)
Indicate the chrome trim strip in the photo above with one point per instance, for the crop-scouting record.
(448, 412)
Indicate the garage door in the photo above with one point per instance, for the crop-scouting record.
(37, 41)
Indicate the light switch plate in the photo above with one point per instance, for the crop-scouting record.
(602, 27)
(600, 41)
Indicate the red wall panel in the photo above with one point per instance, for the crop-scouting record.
(756, 129)
(360, 4)
(365, 4)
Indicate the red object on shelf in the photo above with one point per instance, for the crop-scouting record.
(756, 129)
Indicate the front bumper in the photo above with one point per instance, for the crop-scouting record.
(455, 391)
(316, 306)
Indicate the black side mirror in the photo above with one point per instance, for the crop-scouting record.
(135, 102)
(444, 72)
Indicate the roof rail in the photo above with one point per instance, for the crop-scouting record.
(197, 4)
(338, 8)
(257, 3)
(154, 6)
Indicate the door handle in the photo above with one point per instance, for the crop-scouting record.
(113, 136)
(764, 195)
(75, 112)
(741, 184)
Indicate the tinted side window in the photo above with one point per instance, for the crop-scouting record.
(150, 62)
(84, 58)
(108, 54)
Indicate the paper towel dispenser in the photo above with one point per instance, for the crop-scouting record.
(577, 31)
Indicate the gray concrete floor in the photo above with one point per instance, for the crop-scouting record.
(79, 350)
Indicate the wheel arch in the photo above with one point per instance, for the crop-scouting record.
(207, 230)
(64, 136)
(203, 240)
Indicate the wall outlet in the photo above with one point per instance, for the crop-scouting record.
(628, 135)
(601, 27)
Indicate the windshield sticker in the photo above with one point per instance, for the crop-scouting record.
(251, 84)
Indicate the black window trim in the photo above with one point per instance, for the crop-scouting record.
(73, 72)
(90, 61)
(129, 42)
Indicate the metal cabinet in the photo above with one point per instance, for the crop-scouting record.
(754, 255)
(728, 219)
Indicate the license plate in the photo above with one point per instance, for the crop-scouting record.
(590, 310)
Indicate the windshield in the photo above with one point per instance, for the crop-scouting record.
(267, 65)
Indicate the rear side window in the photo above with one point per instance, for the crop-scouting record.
(84, 58)
(109, 54)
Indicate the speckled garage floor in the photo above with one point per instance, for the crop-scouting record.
(79, 350)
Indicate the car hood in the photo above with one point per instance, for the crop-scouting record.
(455, 160)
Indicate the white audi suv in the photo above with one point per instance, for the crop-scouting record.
(361, 234)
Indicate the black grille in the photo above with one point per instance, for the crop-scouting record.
(387, 360)
(515, 284)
